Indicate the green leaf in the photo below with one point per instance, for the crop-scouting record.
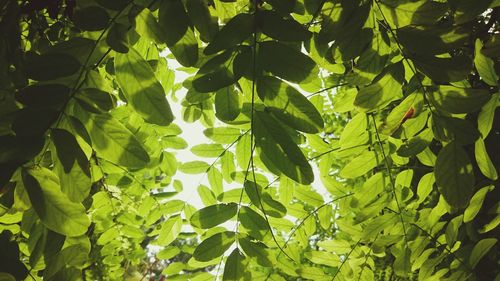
(233, 196)
(227, 104)
(323, 258)
(50, 66)
(309, 196)
(213, 215)
(174, 142)
(91, 18)
(286, 62)
(443, 69)
(360, 165)
(385, 89)
(206, 195)
(95, 100)
(275, 142)
(438, 39)
(452, 230)
(233, 33)
(458, 100)
(424, 187)
(465, 11)
(283, 6)
(72, 166)
(200, 16)
(371, 189)
(480, 250)
(264, 200)
(355, 132)
(483, 160)
(416, 144)
(170, 230)
(235, 267)
(168, 253)
(215, 180)
(275, 26)
(451, 128)
(179, 34)
(80, 48)
(255, 224)
(44, 95)
(52, 206)
(208, 150)
(243, 151)
(217, 73)
(114, 142)
(256, 250)
(19, 149)
(222, 134)
(403, 13)
(75, 255)
(147, 26)
(407, 109)
(454, 175)
(227, 166)
(476, 203)
(484, 65)
(141, 88)
(117, 38)
(194, 167)
(373, 59)
(272, 207)
(33, 121)
(289, 105)
(214, 246)
(402, 264)
(487, 115)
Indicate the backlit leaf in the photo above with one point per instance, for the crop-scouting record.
(476, 203)
(214, 246)
(289, 105)
(72, 166)
(234, 269)
(483, 160)
(114, 142)
(380, 93)
(169, 231)
(141, 88)
(213, 215)
(52, 206)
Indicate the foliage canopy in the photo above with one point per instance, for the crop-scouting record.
(389, 106)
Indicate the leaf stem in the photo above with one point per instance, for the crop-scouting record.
(391, 178)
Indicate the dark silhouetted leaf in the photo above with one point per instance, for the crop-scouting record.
(275, 142)
(454, 175)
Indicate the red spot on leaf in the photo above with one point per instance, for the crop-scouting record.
(408, 114)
